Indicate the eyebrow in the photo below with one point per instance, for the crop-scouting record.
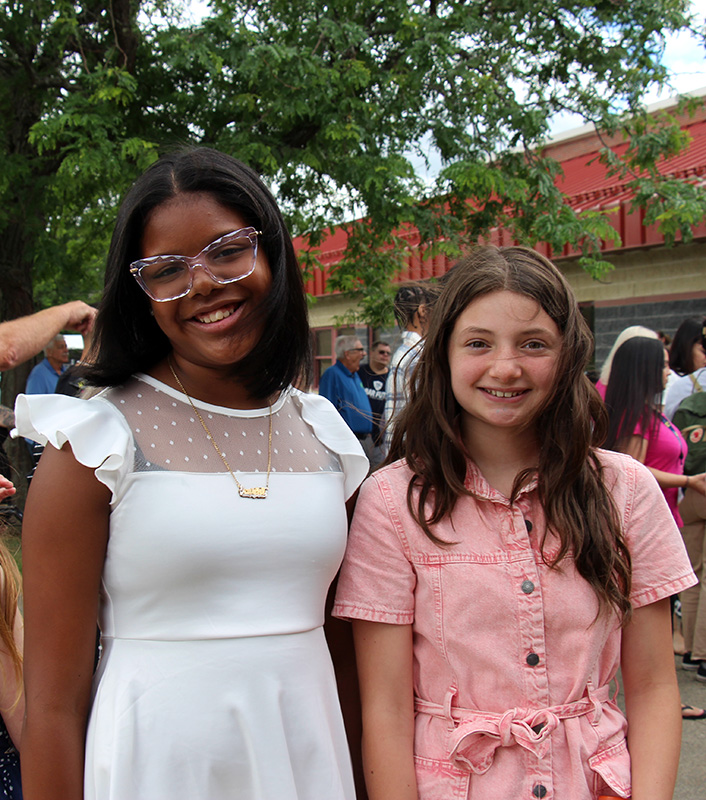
(526, 332)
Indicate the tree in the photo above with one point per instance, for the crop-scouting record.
(334, 104)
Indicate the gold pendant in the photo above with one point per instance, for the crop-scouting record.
(254, 493)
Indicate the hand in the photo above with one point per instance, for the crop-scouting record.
(698, 483)
(6, 488)
(80, 316)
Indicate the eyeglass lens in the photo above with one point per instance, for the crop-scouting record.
(228, 259)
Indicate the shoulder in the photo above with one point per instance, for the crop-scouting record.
(618, 464)
(333, 373)
(392, 481)
(98, 434)
(330, 429)
(629, 482)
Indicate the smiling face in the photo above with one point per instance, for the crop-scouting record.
(503, 353)
(352, 358)
(209, 327)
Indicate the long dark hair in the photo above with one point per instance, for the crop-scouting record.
(578, 507)
(127, 339)
(635, 383)
(681, 351)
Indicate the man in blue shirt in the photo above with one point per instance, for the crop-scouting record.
(42, 379)
(342, 386)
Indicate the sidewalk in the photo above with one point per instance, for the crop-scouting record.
(691, 780)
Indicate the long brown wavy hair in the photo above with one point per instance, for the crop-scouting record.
(9, 593)
(572, 422)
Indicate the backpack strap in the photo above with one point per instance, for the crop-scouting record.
(697, 385)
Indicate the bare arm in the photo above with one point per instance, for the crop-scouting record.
(637, 448)
(64, 538)
(385, 671)
(651, 695)
(23, 338)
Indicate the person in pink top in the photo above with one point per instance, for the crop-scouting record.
(501, 568)
(638, 427)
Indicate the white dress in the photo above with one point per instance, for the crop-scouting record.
(215, 680)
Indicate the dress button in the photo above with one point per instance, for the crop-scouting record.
(539, 790)
(533, 659)
(528, 525)
(527, 587)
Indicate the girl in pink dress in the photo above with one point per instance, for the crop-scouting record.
(501, 567)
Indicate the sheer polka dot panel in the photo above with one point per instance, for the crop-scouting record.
(169, 436)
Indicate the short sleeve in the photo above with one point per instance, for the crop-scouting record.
(660, 565)
(332, 431)
(377, 579)
(98, 434)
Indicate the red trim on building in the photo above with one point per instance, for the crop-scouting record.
(587, 186)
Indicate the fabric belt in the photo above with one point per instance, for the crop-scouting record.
(476, 735)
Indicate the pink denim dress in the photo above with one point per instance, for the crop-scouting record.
(512, 670)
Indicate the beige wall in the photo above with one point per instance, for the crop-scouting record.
(323, 311)
(645, 273)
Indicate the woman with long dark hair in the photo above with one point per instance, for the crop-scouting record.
(637, 426)
(196, 507)
(499, 570)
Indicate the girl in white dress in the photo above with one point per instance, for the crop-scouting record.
(196, 508)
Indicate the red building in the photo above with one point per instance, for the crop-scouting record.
(652, 285)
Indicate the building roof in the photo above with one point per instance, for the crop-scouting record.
(586, 185)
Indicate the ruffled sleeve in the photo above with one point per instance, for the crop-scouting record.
(98, 434)
(332, 431)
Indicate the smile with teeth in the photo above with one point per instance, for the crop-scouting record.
(498, 393)
(215, 316)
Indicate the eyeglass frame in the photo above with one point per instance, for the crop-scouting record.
(191, 262)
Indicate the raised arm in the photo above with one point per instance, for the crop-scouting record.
(23, 338)
(385, 671)
(64, 539)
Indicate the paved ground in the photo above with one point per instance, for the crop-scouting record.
(691, 781)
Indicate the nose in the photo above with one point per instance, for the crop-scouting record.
(201, 280)
(505, 366)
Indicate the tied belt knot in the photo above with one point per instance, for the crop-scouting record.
(476, 735)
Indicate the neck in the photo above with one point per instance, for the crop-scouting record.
(215, 387)
(378, 369)
(501, 454)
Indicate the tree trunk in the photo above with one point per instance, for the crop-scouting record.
(15, 301)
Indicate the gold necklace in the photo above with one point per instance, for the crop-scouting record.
(254, 493)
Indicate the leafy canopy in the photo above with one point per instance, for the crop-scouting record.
(337, 104)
